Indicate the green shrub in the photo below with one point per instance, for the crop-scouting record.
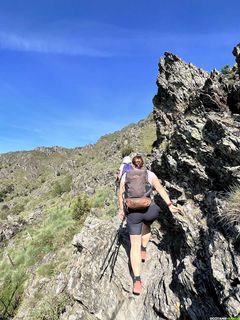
(126, 150)
(46, 270)
(226, 69)
(43, 179)
(4, 212)
(5, 191)
(101, 196)
(149, 136)
(50, 307)
(17, 208)
(66, 184)
(11, 293)
(111, 211)
(3, 216)
(29, 247)
(57, 189)
(80, 206)
(63, 186)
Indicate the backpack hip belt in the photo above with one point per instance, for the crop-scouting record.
(138, 203)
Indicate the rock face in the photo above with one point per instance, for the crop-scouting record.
(198, 134)
(236, 53)
(198, 156)
(193, 269)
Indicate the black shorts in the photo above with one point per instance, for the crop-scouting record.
(135, 219)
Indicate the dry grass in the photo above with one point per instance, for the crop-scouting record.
(231, 211)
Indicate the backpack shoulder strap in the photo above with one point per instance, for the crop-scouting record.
(120, 179)
(149, 186)
(146, 175)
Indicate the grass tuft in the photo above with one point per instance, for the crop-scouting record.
(231, 212)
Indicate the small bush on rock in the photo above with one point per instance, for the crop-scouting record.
(226, 69)
(231, 213)
(80, 206)
(126, 150)
(47, 270)
(63, 186)
(102, 196)
(50, 308)
(17, 208)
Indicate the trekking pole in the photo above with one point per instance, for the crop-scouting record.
(115, 253)
(109, 251)
(111, 259)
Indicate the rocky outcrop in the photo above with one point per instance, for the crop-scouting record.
(236, 53)
(9, 228)
(198, 157)
(198, 134)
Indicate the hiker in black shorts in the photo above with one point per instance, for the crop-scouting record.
(139, 221)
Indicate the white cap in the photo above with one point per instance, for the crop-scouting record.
(127, 160)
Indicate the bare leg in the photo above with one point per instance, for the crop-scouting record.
(146, 234)
(135, 254)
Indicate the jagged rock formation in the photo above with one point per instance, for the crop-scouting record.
(236, 53)
(197, 126)
(198, 156)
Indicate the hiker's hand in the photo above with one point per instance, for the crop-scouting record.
(175, 209)
(121, 214)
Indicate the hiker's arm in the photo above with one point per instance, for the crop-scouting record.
(121, 213)
(161, 190)
(163, 193)
(120, 196)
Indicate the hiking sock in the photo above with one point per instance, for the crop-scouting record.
(137, 278)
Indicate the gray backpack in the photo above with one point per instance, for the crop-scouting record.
(137, 190)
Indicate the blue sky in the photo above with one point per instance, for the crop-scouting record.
(74, 70)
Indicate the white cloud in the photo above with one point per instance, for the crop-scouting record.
(55, 45)
(25, 128)
(93, 39)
